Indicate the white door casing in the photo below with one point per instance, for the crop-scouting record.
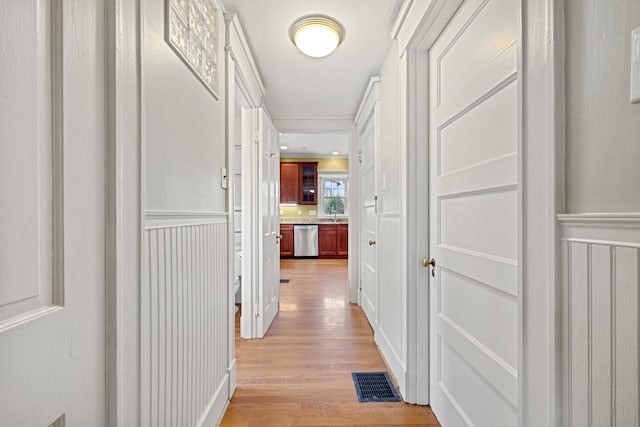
(52, 214)
(367, 122)
(250, 268)
(269, 227)
(473, 207)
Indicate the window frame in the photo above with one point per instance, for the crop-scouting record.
(342, 176)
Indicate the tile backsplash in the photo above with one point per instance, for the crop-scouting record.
(298, 212)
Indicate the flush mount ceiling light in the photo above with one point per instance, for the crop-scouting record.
(316, 35)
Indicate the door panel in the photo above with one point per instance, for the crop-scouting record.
(270, 192)
(52, 213)
(27, 161)
(474, 188)
(368, 230)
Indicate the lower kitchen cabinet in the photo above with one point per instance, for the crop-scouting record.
(343, 240)
(286, 242)
(333, 240)
(327, 237)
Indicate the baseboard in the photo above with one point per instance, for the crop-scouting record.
(233, 372)
(216, 408)
(397, 370)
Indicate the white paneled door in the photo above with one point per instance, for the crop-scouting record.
(52, 204)
(473, 133)
(269, 193)
(368, 224)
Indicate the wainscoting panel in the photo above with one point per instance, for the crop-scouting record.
(601, 271)
(184, 322)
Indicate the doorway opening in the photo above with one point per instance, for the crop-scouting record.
(314, 196)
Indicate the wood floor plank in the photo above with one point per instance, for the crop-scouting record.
(300, 373)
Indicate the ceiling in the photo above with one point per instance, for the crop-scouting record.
(314, 145)
(312, 95)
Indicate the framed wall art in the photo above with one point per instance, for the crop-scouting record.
(191, 29)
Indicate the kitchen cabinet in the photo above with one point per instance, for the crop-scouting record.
(327, 237)
(333, 240)
(299, 183)
(308, 182)
(286, 242)
(343, 240)
(289, 183)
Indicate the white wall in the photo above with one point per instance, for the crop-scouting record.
(603, 128)
(601, 232)
(184, 125)
(185, 296)
(389, 170)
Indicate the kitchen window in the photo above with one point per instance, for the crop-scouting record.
(333, 195)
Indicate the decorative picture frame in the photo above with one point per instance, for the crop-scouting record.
(191, 30)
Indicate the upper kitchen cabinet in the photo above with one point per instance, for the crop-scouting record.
(289, 183)
(308, 173)
(299, 183)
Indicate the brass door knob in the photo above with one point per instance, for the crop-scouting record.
(430, 262)
(426, 262)
(372, 242)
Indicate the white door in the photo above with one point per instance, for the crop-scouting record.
(269, 291)
(473, 199)
(368, 224)
(52, 204)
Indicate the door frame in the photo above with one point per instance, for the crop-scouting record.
(541, 171)
(124, 209)
(369, 113)
(242, 76)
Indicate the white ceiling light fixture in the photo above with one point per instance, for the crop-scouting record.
(335, 153)
(284, 147)
(316, 35)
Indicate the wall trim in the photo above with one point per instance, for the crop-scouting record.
(395, 363)
(542, 198)
(611, 229)
(601, 218)
(241, 54)
(425, 21)
(216, 408)
(400, 18)
(165, 219)
(124, 206)
(151, 215)
(366, 108)
(354, 219)
(320, 124)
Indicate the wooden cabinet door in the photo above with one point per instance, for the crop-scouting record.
(286, 242)
(327, 239)
(308, 183)
(343, 240)
(289, 181)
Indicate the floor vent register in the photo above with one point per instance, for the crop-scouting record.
(374, 387)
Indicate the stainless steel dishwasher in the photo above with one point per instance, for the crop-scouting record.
(305, 240)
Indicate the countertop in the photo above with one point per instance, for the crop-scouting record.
(313, 221)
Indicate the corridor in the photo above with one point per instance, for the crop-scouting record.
(300, 373)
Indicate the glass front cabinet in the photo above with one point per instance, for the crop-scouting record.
(308, 179)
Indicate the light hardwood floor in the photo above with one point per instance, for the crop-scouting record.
(300, 373)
